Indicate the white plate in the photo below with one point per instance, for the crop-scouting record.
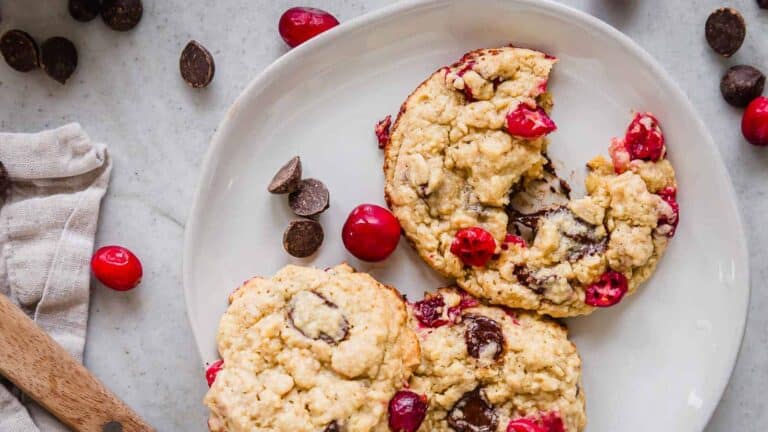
(658, 361)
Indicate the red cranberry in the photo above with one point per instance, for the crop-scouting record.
(299, 24)
(513, 239)
(429, 311)
(669, 195)
(382, 131)
(524, 425)
(754, 124)
(474, 246)
(644, 139)
(607, 291)
(529, 123)
(371, 233)
(213, 370)
(552, 422)
(116, 267)
(406, 411)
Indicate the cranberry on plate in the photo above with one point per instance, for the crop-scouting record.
(406, 411)
(116, 267)
(474, 246)
(371, 232)
(526, 122)
(754, 124)
(213, 370)
(299, 24)
(607, 291)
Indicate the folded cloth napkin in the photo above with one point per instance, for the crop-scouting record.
(47, 226)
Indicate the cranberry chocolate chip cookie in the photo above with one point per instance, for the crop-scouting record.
(468, 177)
(490, 369)
(311, 350)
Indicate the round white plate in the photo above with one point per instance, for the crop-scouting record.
(658, 361)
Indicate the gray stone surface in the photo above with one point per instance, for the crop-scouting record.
(127, 92)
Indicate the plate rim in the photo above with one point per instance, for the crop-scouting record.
(295, 54)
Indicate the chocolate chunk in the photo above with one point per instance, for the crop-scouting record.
(58, 57)
(5, 183)
(20, 50)
(317, 318)
(84, 10)
(741, 84)
(473, 413)
(586, 247)
(483, 337)
(725, 31)
(196, 65)
(287, 178)
(121, 15)
(332, 427)
(310, 199)
(303, 237)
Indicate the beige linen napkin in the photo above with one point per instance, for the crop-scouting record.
(47, 227)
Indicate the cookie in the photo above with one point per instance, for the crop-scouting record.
(470, 141)
(487, 368)
(311, 350)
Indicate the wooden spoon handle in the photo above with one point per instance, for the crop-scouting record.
(42, 369)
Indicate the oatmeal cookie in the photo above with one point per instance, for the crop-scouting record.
(311, 350)
(470, 141)
(492, 369)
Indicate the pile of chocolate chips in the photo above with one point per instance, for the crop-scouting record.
(307, 198)
(725, 31)
(57, 56)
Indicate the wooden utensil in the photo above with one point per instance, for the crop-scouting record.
(43, 370)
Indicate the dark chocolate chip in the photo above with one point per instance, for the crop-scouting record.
(196, 65)
(473, 413)
(121, 15)
(287, 178)
(84, 10)
(725, 31)
(763, 4)
(5, 183)
(310, 199)
(332, 427)
(483, 337)
(303, 237)
(58, 58)
(20, 50)
(741, 84)
(303, 304)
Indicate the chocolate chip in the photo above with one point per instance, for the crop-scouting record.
(483, 337)
(473, 413)
(5, 183)
(310, 199)
(84, 10)
(763, 4)
(725, 31)
(317, 318)
(121, 15)
(332, 427)
(303, 237)
(196, 65)
(20, 50)
(741, 84)
(287, 178)
(58, 57)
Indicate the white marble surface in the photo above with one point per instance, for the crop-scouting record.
(127, 93)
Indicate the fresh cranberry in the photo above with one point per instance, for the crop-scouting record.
(513, 239)
(429, 311)
(371, 233)
(406, 411)
(607, 291)
(529, 123)
(116, 267)
(382, 130)
(644, 139)
(213, 370)
(474, 246)
(524, 425)
(669, 195)
(299, 24)
(754, 124)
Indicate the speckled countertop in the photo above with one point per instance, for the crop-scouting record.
(127, 93)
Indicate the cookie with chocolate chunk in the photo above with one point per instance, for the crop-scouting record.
(311, 350)
(484, 368)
